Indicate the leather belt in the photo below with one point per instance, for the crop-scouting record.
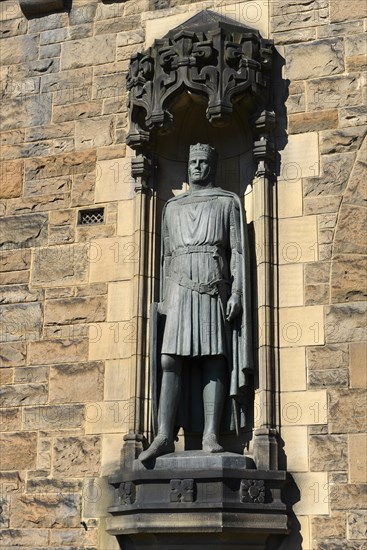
(202, 288)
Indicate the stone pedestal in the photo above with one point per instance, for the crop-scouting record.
(197, 500)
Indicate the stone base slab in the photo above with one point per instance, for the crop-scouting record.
(198, 500)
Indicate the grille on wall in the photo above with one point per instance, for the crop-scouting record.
(91, 217)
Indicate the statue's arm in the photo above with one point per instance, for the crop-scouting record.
(234, 305)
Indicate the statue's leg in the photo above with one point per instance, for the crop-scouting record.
(214, 395)
(168, 403)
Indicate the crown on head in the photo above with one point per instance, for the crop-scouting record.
(203, 149)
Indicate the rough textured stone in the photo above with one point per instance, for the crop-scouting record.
(320, 58)
(321, 205)
(15, 50)
(347, 411)
(31, 539)
(77, 382)
(15, 260)
(348, 279)
(76, 111)
(90, 51)
(342, 10)
(14, 277)
(23, 394)
(45, 511)
(342, 140)
(18, 450)
(77, 456)
(11, 179)
(13, 354)
(317, 273)
(10, 419)
(75, 310)
(358, 458)
(83, 189)
(12, 294)
(328, 452)
(20, 322)
(353, 116)
(53, 417)
(57, 351)
(95, 132)
(356, 192)
(327, 357)
(346, 323)
(329, 527)
(31, 111)
(330, 378)
(334, 92)
(348, 497)
(24, 231)
(336, 170)
(312, 122)
(316, 294)
(31, 375)
(13, 27)
(74, 537)
(65, 264)
(357, 525)
(351, 230)
(6, 376)
(60, 165)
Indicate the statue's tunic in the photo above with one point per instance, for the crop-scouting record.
(201, 239)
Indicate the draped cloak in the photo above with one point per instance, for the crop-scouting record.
(205, 259)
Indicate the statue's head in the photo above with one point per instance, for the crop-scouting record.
(202, 164)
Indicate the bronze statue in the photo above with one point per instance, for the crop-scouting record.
(205, 301)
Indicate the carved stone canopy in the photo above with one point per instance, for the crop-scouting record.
(210, 56)
(41, 7)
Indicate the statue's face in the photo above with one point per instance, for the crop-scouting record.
(199, 169)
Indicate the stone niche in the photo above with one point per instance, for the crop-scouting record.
(209, 81)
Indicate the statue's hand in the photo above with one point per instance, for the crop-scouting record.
(161, 308)
(234, 307)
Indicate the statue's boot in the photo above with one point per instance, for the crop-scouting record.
(160, 446)
(210, 444)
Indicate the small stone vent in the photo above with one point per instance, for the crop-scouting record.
(91, 217)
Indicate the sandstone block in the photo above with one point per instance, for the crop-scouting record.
(314, 497)
(51, 485)
(76, 111)
(328, 452)
(301, 326)
(336, 170)
(30, 538)
(291, 285)
(296, 447)
(292, 369)
(74, 538)
(316, 294)
(313, 122)
(320, 58)
(120, 301)
(356, 525)
(6, 376)
(111, 454)
(334, 92)
(347, 411)
(80, 382)
(346, 323)
(14, 277)
(57, 351)
(90, 51)
(352, 116)
(10, 419)
(300, 157)
(82, 193)
(45, 511)
(112, 259)
(75, 310)
(15, 260)
(298, 240)
(23, 394)
(77, 456)
(317, 273)
(358, 364)
(329, 527)
(16, 294)
(330, 378)
(290, 203)
(63, 264)
(358, 458)
(340, 29)
(328, 357)
(13, 27)
(13, 354)
(114, 180)
(39, 203)
(348, 279)
(30, 111)
(117, 380)
(94, 132)
(111, 340)
(31, 375)
(53, 185)
(11, 179)
(303, 408)
(321, 205)
(60, 165)
(342, 140)
(24, 231)
(18, 450)
(351, 231)
(17, 49)
(348, 497)
(53, 417)
(20, 322)
(342, 10)
(356, 192)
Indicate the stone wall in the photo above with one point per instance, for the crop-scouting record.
(65, 294)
